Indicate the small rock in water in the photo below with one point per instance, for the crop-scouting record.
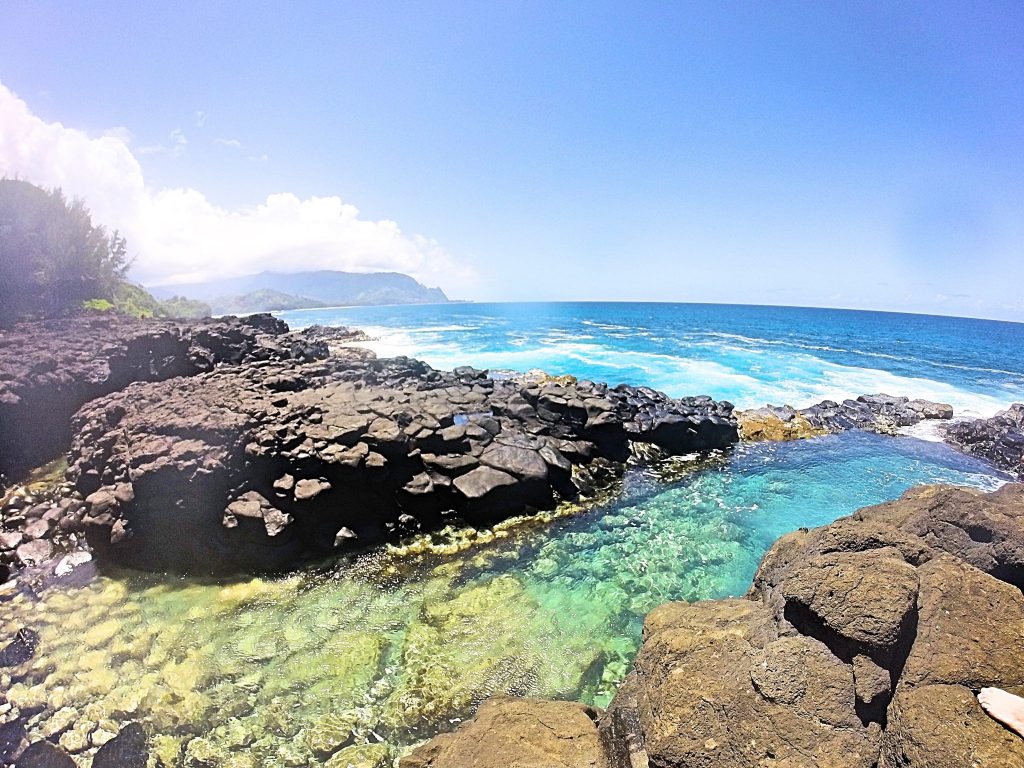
(343, 536)
(20, 649)
(12, 741)
(126, 750)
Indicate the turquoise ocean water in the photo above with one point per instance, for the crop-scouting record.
(748, 355)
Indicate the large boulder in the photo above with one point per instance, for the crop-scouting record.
(517, 733)
(856, 602)
(715, 685)
(942, 726)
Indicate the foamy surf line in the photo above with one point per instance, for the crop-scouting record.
(799, 380)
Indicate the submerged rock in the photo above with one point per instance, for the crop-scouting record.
(13, 739)
(129, 749)
(860, 644)
(361, 756)
(20, 649)
(43, 754)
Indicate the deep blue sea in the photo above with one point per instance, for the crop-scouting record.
(750, 355)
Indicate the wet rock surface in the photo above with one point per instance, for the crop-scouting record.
(999, 440)
(264, 463)
(881, 413)
(862, 643)
(50, 369)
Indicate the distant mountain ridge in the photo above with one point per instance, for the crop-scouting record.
(299, 290)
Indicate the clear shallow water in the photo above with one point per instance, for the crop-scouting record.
(400, 645)
(749, 355)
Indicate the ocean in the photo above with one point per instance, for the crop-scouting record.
(749, 355)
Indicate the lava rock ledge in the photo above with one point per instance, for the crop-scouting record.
(259, 465)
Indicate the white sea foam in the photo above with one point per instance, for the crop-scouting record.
(748, 371)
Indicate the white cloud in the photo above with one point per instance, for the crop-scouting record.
(232, 143)
(200, 118)
(177, 145)
(179, 235)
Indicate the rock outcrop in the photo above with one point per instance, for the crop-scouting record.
(860, 644)
(259, 464)
(48, 370)
(999, 440)
(880, 413)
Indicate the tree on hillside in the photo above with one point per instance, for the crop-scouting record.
(52, 257)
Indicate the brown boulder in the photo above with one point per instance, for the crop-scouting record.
(517, 733)
(713, 686)
(942, 726)
(982, 529)
(854, 601)
(970, 629)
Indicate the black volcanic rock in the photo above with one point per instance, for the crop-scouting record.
(999, 440)
(254, 465)
(50, 369)
(43, 754)
(20, 649)
(128, 749)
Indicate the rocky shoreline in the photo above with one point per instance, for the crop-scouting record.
(861, 644)
(237, 445)
(272, 447)
(883, 414)
(48, 370)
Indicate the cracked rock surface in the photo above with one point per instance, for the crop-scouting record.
(259, 465)
(48, 370)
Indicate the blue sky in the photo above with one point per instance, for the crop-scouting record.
(836, 154)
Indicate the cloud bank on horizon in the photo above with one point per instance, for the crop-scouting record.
(179, 236)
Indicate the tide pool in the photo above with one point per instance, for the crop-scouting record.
(389, 648)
